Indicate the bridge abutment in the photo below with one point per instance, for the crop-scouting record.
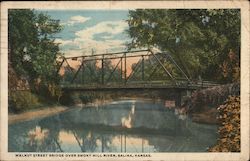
(178, 99)
(171, 94)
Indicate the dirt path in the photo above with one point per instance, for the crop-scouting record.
(25, 116)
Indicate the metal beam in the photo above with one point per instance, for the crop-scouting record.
(69, 66)
(117, 57)
(135, 70)
(166, 71)
(155, 67)
(82, 77)
(102, 69)
(110, 76)
(121, 69)
(154, 70)
(172, 59)
(105, 54)
(142, 66)
(75, 75)
(57, 71)
(125, 66)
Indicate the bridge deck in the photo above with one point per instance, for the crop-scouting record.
(135, 86)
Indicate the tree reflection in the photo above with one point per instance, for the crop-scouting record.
(133, 127)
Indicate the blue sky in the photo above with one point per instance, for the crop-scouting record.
(84, 30)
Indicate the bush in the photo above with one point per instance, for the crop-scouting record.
(50, 92)
(86, 98)
(229, 117)
(22, 100)
(68, 98)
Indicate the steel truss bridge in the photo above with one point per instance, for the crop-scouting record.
(118, 77)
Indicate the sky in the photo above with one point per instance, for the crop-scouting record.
(85, 31)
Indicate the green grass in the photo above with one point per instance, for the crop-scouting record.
(22, 100)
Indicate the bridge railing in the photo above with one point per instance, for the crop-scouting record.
(145, 84)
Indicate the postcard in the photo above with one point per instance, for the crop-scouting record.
(125, 80)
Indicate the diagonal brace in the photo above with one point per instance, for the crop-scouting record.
(166, 71)
(110, 76)
(134, 71)
(75, 75)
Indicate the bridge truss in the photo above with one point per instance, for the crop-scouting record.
(116, 69)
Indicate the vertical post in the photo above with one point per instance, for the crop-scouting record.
(142, 66)
(178, 99)
(121, 69)
(82, 80)
(125, 66)
(102, 69)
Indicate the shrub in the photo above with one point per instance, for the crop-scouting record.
(22, 100)
(229, 117)
(51, 92)
(68, 98)
(85, 98)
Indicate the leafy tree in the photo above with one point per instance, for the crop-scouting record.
(32, 51)
(199, 40)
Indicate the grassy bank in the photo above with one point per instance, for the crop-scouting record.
(25, 100)
(25, 105)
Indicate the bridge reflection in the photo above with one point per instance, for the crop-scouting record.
(119, 127)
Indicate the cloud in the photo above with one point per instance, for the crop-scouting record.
(89, 38)
(76, 19)
(109, 27)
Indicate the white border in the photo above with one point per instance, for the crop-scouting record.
(243, 5)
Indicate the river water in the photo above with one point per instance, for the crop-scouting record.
(119, 126)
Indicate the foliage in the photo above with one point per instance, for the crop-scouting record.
(91, 73)
(199, 40)
(231, 68)
(229, 116)
(50, 91)
(68, 98)
(71, 98)
(22, 100)
(85, 98)
(32, 51)
(211, 97)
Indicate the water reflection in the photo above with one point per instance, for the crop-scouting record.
(125, 126)
(127, 121)
(37, 135)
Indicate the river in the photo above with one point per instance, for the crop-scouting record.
(119, 126)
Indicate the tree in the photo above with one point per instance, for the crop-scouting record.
(32, 51)
(199, 40)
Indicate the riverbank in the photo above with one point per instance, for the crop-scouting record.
(202, 105)
(52, 110)
(36, 113)
(49, 111)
